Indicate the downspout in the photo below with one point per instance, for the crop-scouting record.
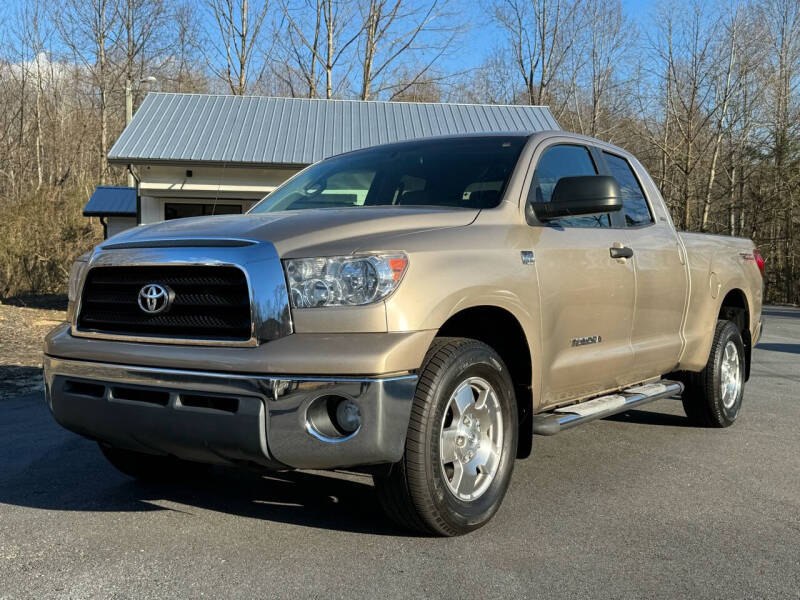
(104, 223)
(138, 199)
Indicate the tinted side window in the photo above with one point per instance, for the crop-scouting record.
(559, 161)
(634, 204)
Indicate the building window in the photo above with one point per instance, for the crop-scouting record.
(179, 210)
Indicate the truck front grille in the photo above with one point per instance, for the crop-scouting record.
(207, 302)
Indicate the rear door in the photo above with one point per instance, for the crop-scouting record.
(661, 275)
(587, 297)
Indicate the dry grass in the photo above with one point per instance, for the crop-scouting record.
(22, 331)
(40, 236)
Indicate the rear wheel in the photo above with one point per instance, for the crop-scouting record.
(713, 397)
(461, 442)
(151, 467)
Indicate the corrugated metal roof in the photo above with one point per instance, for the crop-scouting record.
(109, 200)
(298, 131)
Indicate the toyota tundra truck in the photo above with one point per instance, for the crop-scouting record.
(415, 311)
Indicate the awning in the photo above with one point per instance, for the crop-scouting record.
(111, 201)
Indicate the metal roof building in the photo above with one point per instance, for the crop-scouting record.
(252, 130)
(195, 154)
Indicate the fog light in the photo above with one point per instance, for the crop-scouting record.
(348, 416)
(333, 418)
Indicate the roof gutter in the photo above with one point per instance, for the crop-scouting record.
(129, 162)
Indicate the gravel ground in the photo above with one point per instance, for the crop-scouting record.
(22, 331)
(641, 505)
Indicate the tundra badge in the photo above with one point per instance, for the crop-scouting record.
(583, 341)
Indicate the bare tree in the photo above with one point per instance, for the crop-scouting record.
(35, 32)
(142, 43)
(608, 36)
(183, 66)
(320, 37)
(233, 46)
(492, 82)
(412, 88)
(89, 29)
(781, 22)
(397, 33)
(683, 54)
(299, 44)
(724, 85)
(740, 131)
(539, 36)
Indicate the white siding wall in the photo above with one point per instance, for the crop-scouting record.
(117, 225)
(152, 210)
(226, 185)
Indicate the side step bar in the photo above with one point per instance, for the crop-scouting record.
(553, 422)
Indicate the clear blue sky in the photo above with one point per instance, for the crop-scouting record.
(477, 44)
(483, 36)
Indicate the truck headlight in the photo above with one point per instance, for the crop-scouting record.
(344, 280)
(76, 274)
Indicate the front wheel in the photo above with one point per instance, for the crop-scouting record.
(713, 397)
(460, 445)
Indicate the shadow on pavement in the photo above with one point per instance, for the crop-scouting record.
(775, 347)
(643, 417)
(787, 312)
(45, 467)
(45, 301)
(16, 380)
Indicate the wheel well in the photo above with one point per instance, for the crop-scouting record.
(499, 329)
(734, 309)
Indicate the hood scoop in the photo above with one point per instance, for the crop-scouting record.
(182, 243)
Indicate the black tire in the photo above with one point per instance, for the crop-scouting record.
(702, 399)
(415, 493)
(151, 467)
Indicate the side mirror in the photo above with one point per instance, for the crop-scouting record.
(579, 196)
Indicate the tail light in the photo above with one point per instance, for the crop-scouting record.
(759, 260)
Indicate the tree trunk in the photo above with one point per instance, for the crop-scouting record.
(101, 60)
(330, 25)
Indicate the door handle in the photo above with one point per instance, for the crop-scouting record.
(623, 252)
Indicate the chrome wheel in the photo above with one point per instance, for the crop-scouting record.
(471, 439)
(730, 379)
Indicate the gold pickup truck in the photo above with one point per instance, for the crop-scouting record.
(416, 311)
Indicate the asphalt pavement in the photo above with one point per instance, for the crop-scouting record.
(641, 505)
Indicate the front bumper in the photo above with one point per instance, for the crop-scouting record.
(228, 418)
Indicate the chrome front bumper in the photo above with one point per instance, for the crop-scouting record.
(228, 418)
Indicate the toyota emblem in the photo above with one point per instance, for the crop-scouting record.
(155, 299)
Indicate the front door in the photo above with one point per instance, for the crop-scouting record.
(587, 297)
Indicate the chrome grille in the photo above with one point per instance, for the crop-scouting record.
(210, 302)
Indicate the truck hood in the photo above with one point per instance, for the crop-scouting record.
(300, 233)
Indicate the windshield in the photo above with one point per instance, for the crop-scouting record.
(460, 172)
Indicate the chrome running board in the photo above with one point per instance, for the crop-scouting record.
(558, 420)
